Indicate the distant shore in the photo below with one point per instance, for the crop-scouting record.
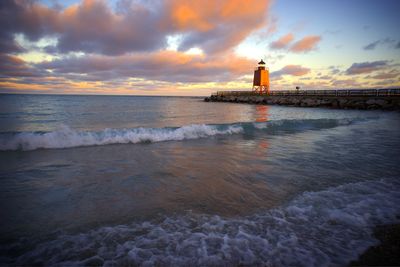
(342, 102)
(387, 253)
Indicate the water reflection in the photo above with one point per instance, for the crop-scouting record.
(262, 113)
(218, 183)
(184, 111)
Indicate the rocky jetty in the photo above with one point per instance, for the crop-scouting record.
(345, 102)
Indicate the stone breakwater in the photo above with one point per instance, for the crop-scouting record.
(345, 102)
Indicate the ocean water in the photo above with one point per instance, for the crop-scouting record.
(174, 181)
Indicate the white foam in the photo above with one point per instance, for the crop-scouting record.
(326, 228)
(66, 137)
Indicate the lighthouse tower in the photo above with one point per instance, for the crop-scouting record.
(261, 79)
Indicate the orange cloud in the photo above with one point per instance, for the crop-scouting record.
(282, 42)
(206, 15)
(306, 44)
(215, 26)
(191, 15)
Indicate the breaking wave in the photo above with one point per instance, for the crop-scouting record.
(325, 228)
(66, 137)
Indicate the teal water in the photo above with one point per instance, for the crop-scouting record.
(118, 180)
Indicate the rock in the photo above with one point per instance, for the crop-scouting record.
(295, 101)
(359, 105)
(345, 102)
(325, 102)
(335, 104)
(381, 102)
(372, 106)
(308, 102)
(260, 99)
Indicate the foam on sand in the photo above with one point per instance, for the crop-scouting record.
(325, 228)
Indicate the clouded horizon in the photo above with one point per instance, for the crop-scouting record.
(196, 47)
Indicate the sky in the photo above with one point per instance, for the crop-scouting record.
(194, 48)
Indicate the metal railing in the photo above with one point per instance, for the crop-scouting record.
(337, 92)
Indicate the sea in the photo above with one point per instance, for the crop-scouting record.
(176, 181)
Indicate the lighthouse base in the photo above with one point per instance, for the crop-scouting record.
(262, 90)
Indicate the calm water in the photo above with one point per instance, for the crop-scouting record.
(93, 180)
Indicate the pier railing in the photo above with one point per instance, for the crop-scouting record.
(337, 92)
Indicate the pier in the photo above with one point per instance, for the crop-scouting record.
(261, 93)
(387, 99)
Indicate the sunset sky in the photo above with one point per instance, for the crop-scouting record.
(196, 47)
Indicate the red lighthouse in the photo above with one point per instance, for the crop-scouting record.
(261, 79)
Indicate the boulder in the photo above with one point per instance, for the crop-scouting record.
(381, 102)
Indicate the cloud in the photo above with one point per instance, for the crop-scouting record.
(325, 77)
(293, 70)
(92, 44)
(373, 45)
(303, 45)
(272, 25)
(306, 44)
(9, 46)
(215, 26)
(366, 67)
(346, 83)
(12, 66)
(335, 71)
(386, 75)
(398, 45)
(27, 17)
(92, 26)
(282, 42)
(171, 66)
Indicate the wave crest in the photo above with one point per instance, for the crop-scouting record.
(66, 137)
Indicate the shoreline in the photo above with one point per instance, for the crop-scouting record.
(387, 252)
(337, 102)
